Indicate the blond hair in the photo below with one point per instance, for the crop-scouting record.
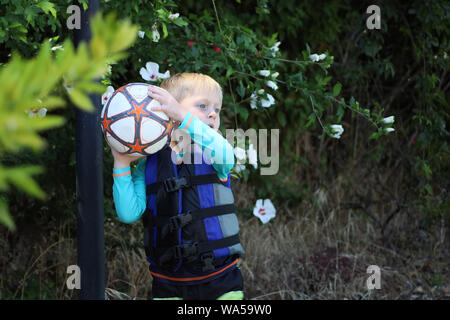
(182, 85)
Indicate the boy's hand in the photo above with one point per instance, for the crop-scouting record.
(122, 160)
(169, 105)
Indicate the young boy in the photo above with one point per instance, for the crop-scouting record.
(190, 228)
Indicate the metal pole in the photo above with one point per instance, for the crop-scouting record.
(89, 168)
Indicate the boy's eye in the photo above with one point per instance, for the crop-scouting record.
(202, 106)
(217, 110)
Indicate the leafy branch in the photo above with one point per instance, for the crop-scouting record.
(34, 83)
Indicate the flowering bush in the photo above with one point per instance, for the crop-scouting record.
(247, 63)
(314, 73)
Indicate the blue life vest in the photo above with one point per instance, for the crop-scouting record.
(190, 228)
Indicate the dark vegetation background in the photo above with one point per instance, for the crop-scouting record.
(342, 205)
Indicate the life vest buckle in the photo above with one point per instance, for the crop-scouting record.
(177, 222)
(173, 184)
(207, 260)
(185, 250)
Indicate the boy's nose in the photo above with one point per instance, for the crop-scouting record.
(212, 114)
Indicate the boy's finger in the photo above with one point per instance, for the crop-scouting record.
(156, 89)
(154, 108)
(157, 106)
(155, 96)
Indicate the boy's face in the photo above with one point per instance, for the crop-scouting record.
(205, 106)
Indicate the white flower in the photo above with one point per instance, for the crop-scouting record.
(276, 74)
(58, 47)
(108, 93)
(264, 210)
(389, 129)
(274, 49)
(264, 102)
(272, 85)
(155, 34)
(239, 167)
(388, 120)
(151, 72)
(239, 153)
(174, 15)
(267, 103)
(37, 112)
(264, 73)
(252, 156)
(314, 57)
(141, 34)
(337, 131)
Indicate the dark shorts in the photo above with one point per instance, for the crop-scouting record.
(230, 281)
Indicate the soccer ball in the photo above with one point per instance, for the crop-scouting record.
(128, 124)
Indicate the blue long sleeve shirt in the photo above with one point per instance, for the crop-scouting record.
(129, 187)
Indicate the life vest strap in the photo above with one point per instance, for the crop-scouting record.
(176, 183)
(171, 224)
(196, 249)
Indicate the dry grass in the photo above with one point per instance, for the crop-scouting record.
(318, 250)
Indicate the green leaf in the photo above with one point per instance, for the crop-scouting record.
(5, 217)
(376, 135)
(429, 189)
(340, 113)
(337, 89)
(88, 86)
(281, 118)
(311, 120)
(164, 28)
(21, 177)
(179, 22)
(244, 114)
(427, 170)
(47, 7)
(240, 89)
(51, 102)
(81, 100)
(215, 65)
(47, 122)
(30, 14)
(308, 49)
(229, 72)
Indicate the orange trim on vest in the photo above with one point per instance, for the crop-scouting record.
(121, 174)
(194, 278)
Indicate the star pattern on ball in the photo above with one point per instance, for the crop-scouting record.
(106, 124)
(139, 110)
(137, 147)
